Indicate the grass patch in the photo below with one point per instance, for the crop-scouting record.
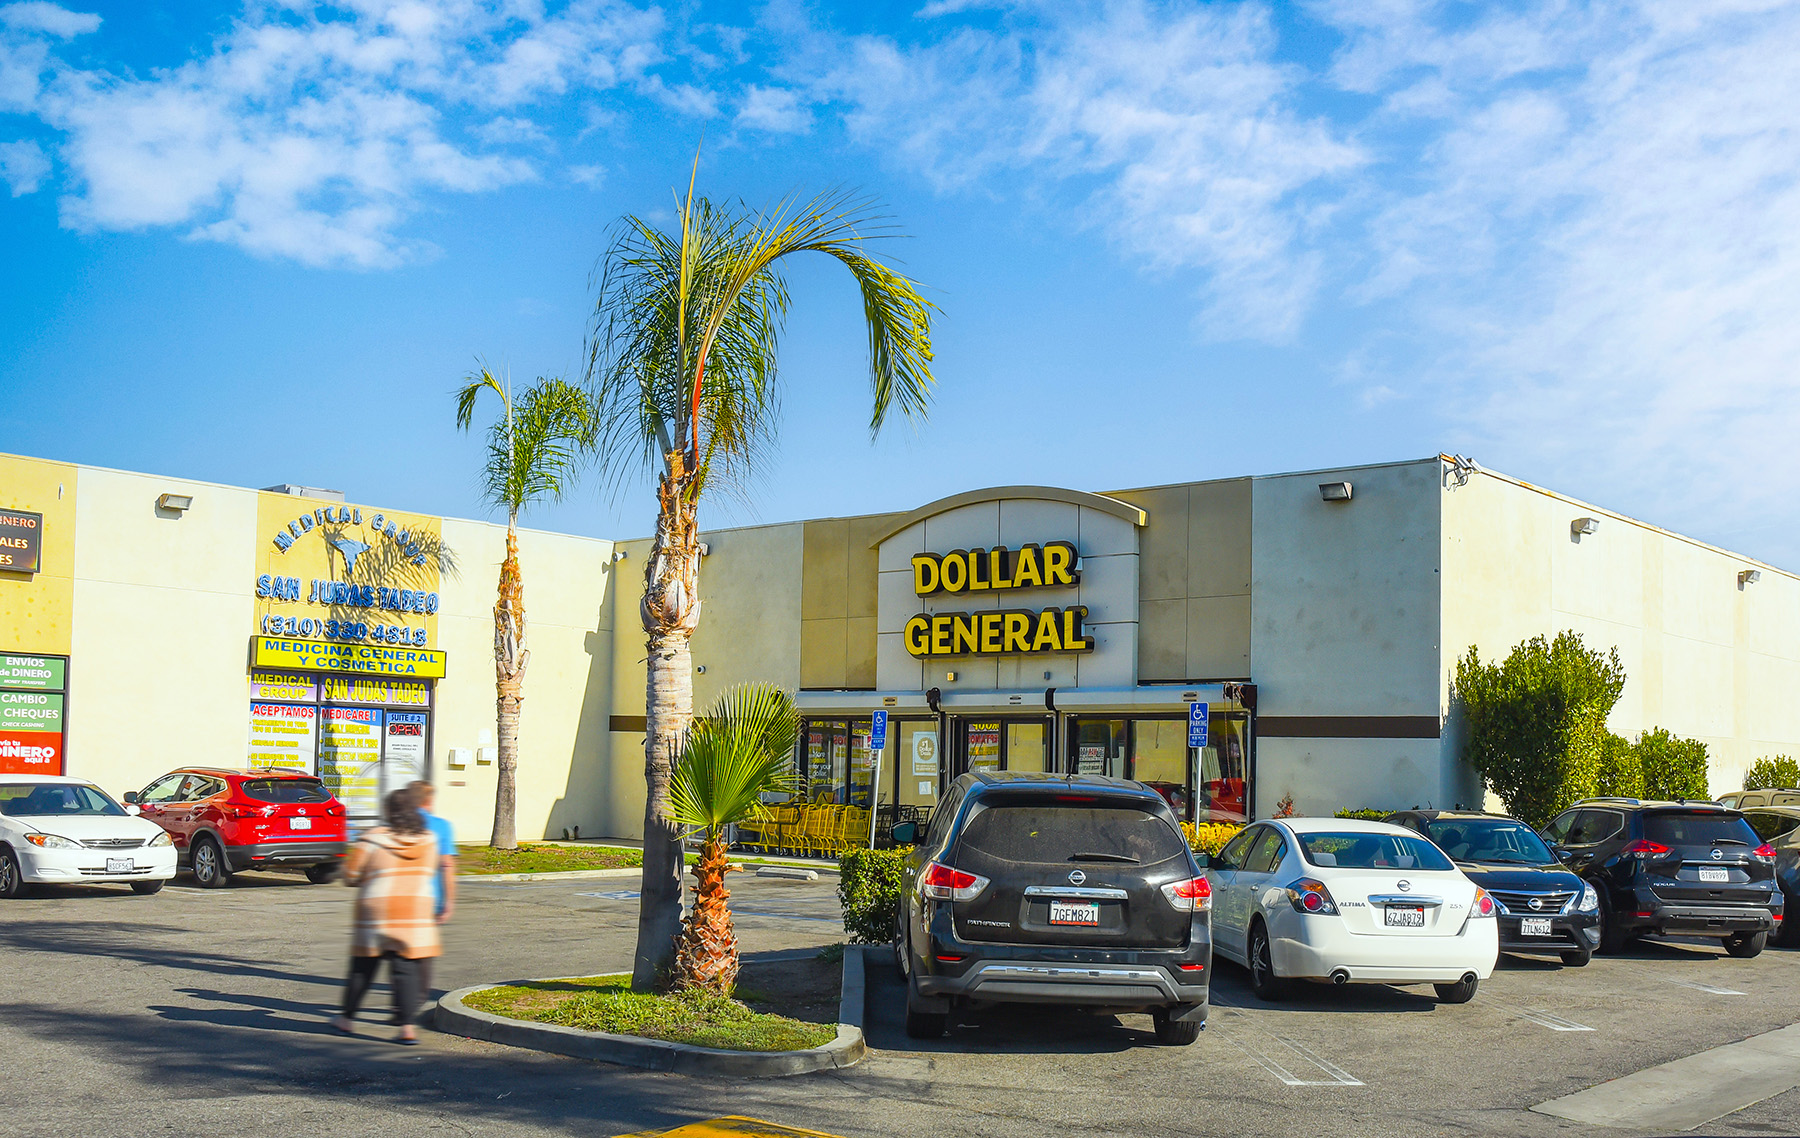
(532, 858)
(607, 1003)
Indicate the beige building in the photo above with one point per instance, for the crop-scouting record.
(1316, 616)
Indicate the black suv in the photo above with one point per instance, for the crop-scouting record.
(1056, 889)
(1682, 868)
(1544, 907)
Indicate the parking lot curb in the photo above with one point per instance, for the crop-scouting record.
(454, 1017)
(556, 875)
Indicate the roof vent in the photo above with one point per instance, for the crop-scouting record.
(307, 492)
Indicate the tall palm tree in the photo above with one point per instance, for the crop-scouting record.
(741, 750)
(534, 449)
(682, 365)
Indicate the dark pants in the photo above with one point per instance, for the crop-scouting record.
(403, 975)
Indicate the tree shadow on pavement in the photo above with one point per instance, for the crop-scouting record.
(119, 942)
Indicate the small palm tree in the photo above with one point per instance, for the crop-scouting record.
(740, 751)
(533, 452)
(683, 369)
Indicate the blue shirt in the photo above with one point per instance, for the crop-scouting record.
(446, 844)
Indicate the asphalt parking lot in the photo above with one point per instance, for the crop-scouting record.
(198, 1011)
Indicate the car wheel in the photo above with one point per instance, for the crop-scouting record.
(320, 874)
(1460, 992)
(146, 888)
(1175, 1033)
(1263, 980)
(922, 1024)
(12, 878)
(1576, 958)
(210, 870)
(1612, 937)
(1746, 945)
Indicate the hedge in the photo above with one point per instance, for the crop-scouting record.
(1363, 815)
(869, 889)
(1209, 837)
(1772, 772)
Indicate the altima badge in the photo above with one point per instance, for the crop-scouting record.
(1076, 877)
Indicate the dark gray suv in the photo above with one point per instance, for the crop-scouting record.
(1055, 889)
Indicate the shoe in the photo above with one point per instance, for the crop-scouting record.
(343, 1026)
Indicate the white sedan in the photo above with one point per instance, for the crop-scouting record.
(1349, 902)
(66, 831)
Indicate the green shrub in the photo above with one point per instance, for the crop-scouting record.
(1673, 767)
(1537, 722)
(1364, 815)
(869, 888)
(1772, 772)
(1621, 771)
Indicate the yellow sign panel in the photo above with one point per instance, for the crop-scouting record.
(364, 659)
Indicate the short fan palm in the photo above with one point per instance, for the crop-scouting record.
(742, 750)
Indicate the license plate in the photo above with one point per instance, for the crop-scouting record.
(1534, 926)
(299, 823)
(1074, 913)
(1708, 873)
(1405, 918)
(119, 865)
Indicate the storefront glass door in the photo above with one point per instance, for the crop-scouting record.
(1002, 744)
(1207, 784)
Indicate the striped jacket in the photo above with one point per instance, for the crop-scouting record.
(396, 910)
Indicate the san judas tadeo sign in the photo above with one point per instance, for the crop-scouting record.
(1003, 632)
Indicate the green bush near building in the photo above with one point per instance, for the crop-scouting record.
(869, 888)
(1363, 815)
(1673, 767)
(1621, 771)
(1772, 772)
(1537, 721)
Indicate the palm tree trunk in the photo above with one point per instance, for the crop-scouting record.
(708, 956)
(670, 612)
(510, 660)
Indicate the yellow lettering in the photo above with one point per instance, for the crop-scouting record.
(1047, 638)
(953, 574)
(976, 583)
(1018, 631)
(1059, 557)
(997, 568)
(918, 635)
(925, 574)
(940, 635)
(1073, 640)
(962, 633)
(990, 632)
(1026, 571)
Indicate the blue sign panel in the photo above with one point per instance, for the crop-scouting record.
(1196, 725)
(878, 731)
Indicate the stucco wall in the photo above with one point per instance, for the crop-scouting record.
(1704, 657)
(1195, 553)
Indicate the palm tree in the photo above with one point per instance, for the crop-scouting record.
(533, 452)
(743, 749)
(682, 365)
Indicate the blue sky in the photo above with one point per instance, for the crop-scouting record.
(261, 243)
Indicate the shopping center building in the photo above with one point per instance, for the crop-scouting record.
(1310, 621)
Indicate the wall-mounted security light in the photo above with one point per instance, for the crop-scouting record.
(704, 549)
(701, 669)
(620, 555)
(175, 503)
(1581, 526)
(950, 677)
(1749, 577)
(1334, 491)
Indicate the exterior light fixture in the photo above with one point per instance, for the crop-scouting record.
(950, 676)
(175, 503)
(1749, 577)
(1334, 491)
(620, 555)
(701, 669)
(704, 549)
(1584, 526)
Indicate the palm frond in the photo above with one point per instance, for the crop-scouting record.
(536, 447)
(740, 750)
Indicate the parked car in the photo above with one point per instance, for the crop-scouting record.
(1744, 799)
(1544, 906)
(1350, 902)
(56, 830)
(224, 820)
(1053, 889)
(1780, 827)
(1682, 868)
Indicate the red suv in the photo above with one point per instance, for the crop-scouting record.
(223, 821)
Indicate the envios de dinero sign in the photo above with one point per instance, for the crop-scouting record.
(997, 632)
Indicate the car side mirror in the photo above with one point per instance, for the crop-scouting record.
(132, 809)
(130, 797)
(906, 834)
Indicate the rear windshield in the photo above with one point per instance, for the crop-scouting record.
(1372, 851)
(55, 799)
(1675, 829)
(1489, 840)
(1045, 834)
(285, 790)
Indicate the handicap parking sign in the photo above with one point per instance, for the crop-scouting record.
(1196, 725)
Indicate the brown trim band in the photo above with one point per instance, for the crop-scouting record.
(1348, 726)
(635, 723)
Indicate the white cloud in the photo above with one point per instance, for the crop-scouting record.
(777, 110)
(592, 177)
(22, 166)
(52, 19)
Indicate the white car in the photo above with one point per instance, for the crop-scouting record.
(66, 831)
(1349, 902)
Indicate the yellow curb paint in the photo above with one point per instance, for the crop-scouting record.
(733, 1125)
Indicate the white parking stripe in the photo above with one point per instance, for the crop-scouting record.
(1542, 1018)
(1709, 988)
(1276, 1055)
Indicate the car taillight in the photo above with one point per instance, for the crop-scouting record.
(1308, 895)
(1764, 852)
(945, 884)
(1643, 848)
(1192, 895)
(1484, 904)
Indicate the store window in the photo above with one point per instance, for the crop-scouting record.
(916, 761)
(838, 763)
(362, 737)
(1207, 784)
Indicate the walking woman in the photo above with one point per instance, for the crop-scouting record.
(392, 868)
